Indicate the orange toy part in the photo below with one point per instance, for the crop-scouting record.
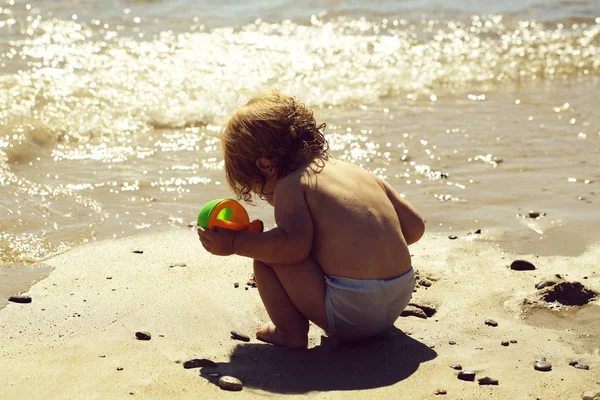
(229, 214)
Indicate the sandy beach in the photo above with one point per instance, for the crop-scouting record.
(76, 339)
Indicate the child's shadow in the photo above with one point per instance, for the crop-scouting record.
(332, 365)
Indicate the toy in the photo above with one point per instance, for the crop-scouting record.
(227, 214)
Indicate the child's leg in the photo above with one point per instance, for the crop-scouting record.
(292, 295)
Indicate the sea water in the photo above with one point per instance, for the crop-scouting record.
(479, 112)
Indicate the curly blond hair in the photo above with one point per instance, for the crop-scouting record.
(277, 127)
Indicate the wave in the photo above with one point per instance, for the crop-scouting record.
(87, 84)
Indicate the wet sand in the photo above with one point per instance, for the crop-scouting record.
(77, 338)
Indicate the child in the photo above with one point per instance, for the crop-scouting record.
(339, 256)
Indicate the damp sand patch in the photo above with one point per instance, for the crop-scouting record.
(566, 306)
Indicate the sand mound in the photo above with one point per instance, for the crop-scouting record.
(568, 294)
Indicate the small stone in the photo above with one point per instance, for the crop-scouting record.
(20, 299)
(109, 277)
(573, 363)
(412, 311)
(536, 214)
(143, 335)
(199, 363)
(491, 322)
(582, 366)
(252, 281)
(542, 365)
(452, 237)
(505, 343)
(478, 232)
(466, 376)
(236, 285)
(513, 341)
(440, 392)
(452, 342)
(426, 283)
(138, 251)
(591, 396)
(239, 336)
(119, 368)
(457, 367)
(178, 265)
(429, 310)
(522, 265)
(487, 381)
(230, 383)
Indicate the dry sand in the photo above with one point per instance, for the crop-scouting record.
(80, 328)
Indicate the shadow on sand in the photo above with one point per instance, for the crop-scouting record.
(332, 365)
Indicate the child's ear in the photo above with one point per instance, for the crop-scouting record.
(265, 167)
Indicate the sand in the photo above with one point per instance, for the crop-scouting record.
(79, 331)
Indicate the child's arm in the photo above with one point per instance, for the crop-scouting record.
(289, 243)
(411, 222)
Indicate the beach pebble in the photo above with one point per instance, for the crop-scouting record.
(440, 392)
(199, 363)
(178, 265)
(412, 311)
(487, 381)
(466, 376)
(138, 251)
(522, 265)
(582, 366)
(536, 214)
(573, 363)
(452, 237)
(239, 336)
(457, 367)
(542, 365)
(426, 282)
(513, 341)
(491, 322)
(504, 343)
(230, 383)
(236, 285)
(143, 335)
(119, 368)
(429, 310)
(591, 396)
(20, 299)
(452, 342)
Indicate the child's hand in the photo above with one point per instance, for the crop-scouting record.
(218, 242)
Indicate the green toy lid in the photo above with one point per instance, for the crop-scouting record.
(206, 211)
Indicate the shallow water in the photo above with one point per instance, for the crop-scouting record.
(111, 111)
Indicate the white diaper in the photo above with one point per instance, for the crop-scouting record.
(359, 308)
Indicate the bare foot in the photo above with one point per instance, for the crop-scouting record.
(271, 334)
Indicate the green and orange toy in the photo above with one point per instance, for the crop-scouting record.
(227, 214)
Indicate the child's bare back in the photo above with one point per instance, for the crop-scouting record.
(357, 232)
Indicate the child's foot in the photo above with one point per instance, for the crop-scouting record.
(271, 334)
